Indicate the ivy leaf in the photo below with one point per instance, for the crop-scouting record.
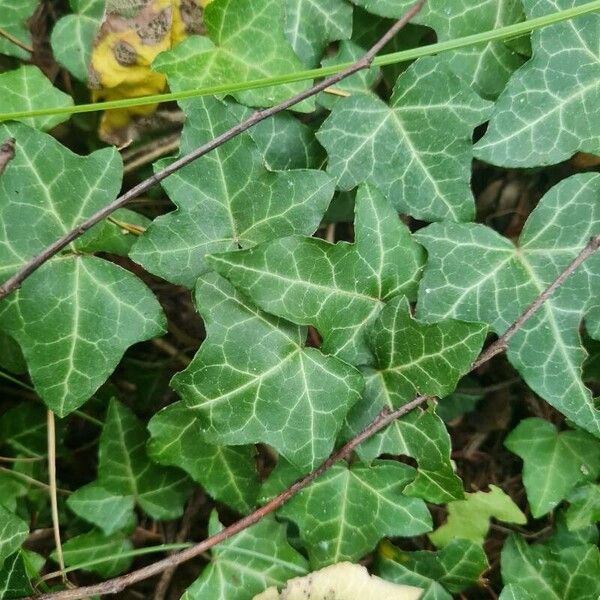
(113, 236)
(514, 592)
(341, 288)
(417, 150)
(74, 317)
(14, 580)
(569, 573)
(27, 88)
(331, 511)
(421, 434)
(413, 358)
(246, 42)
(73, 36)
(95, 545)
(98, 506)
(284, 141)
(484, 67)
(125, 469)
(359, 83)
(236, 380)
(14, 15)
(23, 428)
(13, 532)
(227, 473)
(551, 106)
(247, 563)
(470, 518)
(475, 274)
(310, 25)
(11, 357)
(226, 200)
(585, 507)
(592, 322)
(452, 569)
(554, 462)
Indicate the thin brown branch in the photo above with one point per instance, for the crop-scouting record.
(13, 283)
(7, 153)
(384, 418)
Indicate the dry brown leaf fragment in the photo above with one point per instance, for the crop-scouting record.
(342, 581)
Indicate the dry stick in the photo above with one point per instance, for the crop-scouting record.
(365, 62)
(53, 495)
(384, 418)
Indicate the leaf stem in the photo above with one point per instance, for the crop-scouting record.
(53, 493)
(16, 41)
(30, 480)
(129, 554)
(484, 37)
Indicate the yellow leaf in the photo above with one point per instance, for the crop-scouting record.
(133, 33)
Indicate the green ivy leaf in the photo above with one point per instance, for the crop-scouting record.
(98, 506)
(23, 428)
(331, 511)
(413, 358)
(13, 532)
(422, 435)
(514, 592)
(452, 569)
(27, 88)
(125, 469)
(341, 288)
(359, 83)
(11, 357)
(554, 462)
(310, 25)
(226, 200)
(569, 573)
(111, 236)
(470, 518)
(93, 546)
(11, 489)
(585, 507)
(14, 580)
(14, 15)
(246, 42)
(592, 322)
(74, 317)
(73, 36)
(228, 474)
(284, 141)
(417, 150)
(235, 382)
(475, 274)
(484, 67)
(551, 106)
(247, 563)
